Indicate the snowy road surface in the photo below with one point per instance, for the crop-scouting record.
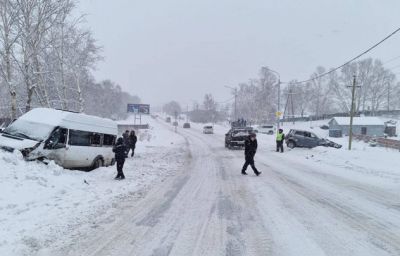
(293, 208)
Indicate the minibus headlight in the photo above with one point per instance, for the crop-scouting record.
(26, 151)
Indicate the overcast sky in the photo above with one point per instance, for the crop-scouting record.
(181, 49)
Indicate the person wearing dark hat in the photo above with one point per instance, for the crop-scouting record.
(250, 149)
(280, 138)
(120, 155)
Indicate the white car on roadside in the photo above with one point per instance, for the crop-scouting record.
(72, 140)
(266, 129)
(208, 129)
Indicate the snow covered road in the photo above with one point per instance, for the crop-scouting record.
(296, 207)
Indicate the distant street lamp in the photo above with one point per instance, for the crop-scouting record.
(278, 113)
(235, 93)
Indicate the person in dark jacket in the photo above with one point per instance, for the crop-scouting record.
(125, 137)
(120, 155)
(250, 149)
(132, 142)
(280, 138)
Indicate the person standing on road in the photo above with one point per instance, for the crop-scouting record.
(250, 149)
(132, 142)
(125, 137)
(120, 155)
(280, 138)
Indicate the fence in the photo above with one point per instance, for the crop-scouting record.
(382, 142)
(330, 116)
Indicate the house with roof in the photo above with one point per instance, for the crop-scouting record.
(372, 126)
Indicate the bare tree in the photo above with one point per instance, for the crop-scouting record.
(8, 36)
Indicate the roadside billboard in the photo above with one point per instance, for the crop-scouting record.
(139, 109)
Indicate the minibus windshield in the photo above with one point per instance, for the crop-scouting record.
(29, 130)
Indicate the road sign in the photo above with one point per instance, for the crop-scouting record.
(139, 109)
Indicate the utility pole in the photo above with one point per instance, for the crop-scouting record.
(279, 104)
(353, 92)
(388, 98)
(278, 113)
(289, 104)
(235, 104)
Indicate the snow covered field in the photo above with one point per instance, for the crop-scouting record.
(184, 195)
(42, 204)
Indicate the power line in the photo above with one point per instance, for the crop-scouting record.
(225, 101)
(351, 60)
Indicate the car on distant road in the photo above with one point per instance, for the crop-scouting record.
(306, 139)
(175, 123)
(236, 137)
(324, 127)
(168, 120)
(186, 125)
(266, 129)
(208, 129)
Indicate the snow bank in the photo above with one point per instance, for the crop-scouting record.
(40, 204)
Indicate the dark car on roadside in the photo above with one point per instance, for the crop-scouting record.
(236, 137)
(324, 127)
(186, 125)
(306, 139)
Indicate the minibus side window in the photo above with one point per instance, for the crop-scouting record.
(109, 140)
(95, 139)
(79, 138)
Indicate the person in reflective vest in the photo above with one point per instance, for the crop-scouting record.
(280, 138)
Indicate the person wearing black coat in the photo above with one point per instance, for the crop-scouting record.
(250, 149)
(132, 142)
(120, 155)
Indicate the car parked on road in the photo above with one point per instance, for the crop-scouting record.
(265, 129)
(236, 137)
(208, 129)
(72, 140)
(168, 120)
(306, 139)
(186, 125)
(175, 123)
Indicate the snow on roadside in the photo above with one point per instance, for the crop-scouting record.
(40, 204)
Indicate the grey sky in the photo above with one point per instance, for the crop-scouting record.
(182, 49)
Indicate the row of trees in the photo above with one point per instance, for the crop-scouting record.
(377, 89)
(46, 59)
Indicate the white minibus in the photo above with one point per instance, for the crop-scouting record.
(72, 140)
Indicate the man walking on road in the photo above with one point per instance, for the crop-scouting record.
(250, 149)
(280, 138)
(120, 155)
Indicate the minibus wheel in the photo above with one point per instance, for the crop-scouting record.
(97, 163)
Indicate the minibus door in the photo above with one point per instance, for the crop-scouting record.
(56, 145)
